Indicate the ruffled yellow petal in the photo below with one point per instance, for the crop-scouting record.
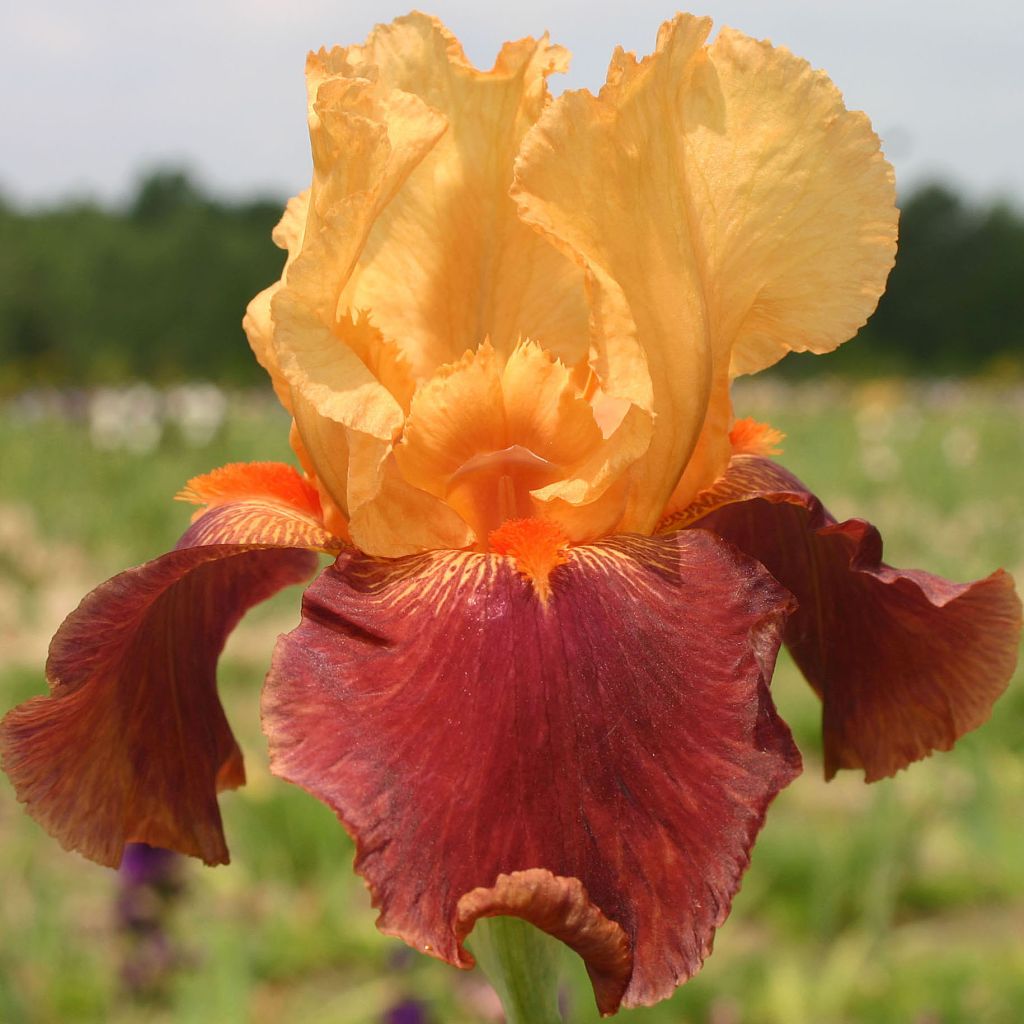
(290, 230)
(544, 412)
(713, 450)
(803, 231)
(604, 178)
(448, 263)
(366, 138)
(714, 207)
(727, 209)
(455, 416)
(258, 323)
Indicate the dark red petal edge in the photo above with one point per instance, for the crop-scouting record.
(622, 735)
(132, 744)
(905, 662)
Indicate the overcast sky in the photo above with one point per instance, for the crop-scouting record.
(93, 92)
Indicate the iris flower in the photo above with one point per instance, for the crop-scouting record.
(535, 679)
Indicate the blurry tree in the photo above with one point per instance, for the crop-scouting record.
(157, 289)
(154, 291)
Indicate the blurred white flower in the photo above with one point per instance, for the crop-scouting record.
(198, 411)
(960, 446)
(125, 419)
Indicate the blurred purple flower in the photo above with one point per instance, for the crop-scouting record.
(150, 883)
(408, 1011)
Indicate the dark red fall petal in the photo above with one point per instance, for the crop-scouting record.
(260, 522)
(132, 744)
(621, 734)
(905, 662)
(561, 907)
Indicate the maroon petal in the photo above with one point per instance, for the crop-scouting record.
(905, 662)
(132, 744)
(612, 750)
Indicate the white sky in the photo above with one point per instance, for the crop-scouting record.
(93, 91)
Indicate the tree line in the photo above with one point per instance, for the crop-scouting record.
(155, 290)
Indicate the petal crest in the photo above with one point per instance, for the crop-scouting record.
(905, 662)
(620, 733)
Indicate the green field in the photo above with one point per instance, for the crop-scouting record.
(900, 903)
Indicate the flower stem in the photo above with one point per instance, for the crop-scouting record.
(521, 962)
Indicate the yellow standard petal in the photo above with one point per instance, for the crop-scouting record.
(448, 262)
(727, 209)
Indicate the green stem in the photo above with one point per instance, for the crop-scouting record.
(521, 962)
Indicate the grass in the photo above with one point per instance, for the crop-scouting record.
(899, 903)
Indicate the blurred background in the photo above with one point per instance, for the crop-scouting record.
(147, 152)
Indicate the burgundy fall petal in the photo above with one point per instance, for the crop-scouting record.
(621, 735)
(905, 662)
(132, 744)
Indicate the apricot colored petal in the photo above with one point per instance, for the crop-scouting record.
(258, 323)
(905, 662)
(470, 412)
(543, 410)
(330, 375)
(132, 744)
(477, 426)
(381, 356)
(455, 415)
(584, 522)
(620, 734)
(602, 178)
(290, 230)
(448, 263)
(803, 230)
(366, 138)
(766, 217)
(334, 517)
(713, 450)
(401, 519)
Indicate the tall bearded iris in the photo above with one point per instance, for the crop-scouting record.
(534, 682)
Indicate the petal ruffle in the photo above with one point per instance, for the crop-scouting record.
(905, 662)
(132, 744)
(257, 322)
(620, 734)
